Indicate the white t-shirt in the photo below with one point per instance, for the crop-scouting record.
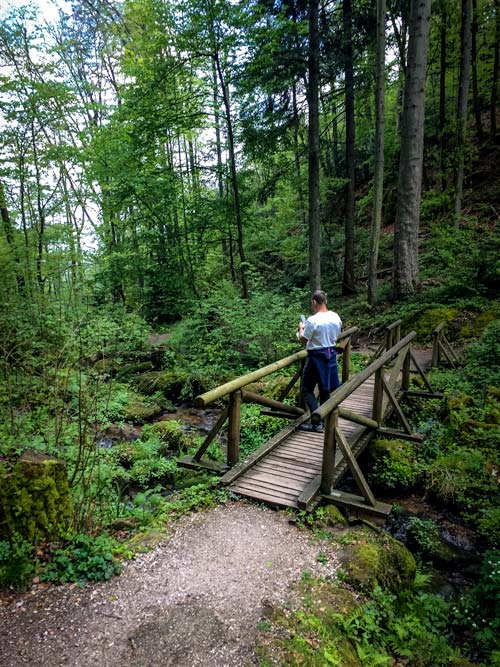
(322, 330)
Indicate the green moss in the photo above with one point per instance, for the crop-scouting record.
(378, 559)
(334, 517)
(168, 432)
(35, 501)
(138, 410)
(170, 382)
(143, 542)
(475, 327)
(133, 369)
(425, 321)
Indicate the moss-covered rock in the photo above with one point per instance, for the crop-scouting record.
(139, 410)
(457, 401)
(376, 558)
(169, 433)
(334, 517)
(170, 382)
(143, 542)
(35, 501)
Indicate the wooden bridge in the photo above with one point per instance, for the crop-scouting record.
(299, 469)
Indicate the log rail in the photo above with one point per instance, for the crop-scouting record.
(236, 394)
(352, 415)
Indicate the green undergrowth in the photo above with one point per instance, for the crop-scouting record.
(332, 625)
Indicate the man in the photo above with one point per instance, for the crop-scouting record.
(319, 334)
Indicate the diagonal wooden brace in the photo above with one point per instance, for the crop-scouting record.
(354, 468)
(395, 404)
(420, 371)
(211, 436)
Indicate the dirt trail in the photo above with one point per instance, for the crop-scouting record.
(195, 600)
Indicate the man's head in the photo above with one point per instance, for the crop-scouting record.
(318, 300)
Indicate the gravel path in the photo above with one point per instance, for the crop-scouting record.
(195, 600)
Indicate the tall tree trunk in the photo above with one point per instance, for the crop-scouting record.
(496, 67)
(227, 250)
(348, 277)
(400, 34)
(296, 155)
(462, 98)
(313, 136)
(378, 176)
(475, 91)
(406, 274)
(234, 178)
(442, 91)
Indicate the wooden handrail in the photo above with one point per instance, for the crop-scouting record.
(229, 387)
(393, 325)
(346, 389)
(392, 336)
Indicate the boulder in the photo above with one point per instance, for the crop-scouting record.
(375, 558)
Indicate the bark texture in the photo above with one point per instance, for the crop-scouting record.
(406, 277)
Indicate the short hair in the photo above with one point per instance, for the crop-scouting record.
(319, 296)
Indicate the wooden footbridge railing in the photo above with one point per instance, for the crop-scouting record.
(297, 468)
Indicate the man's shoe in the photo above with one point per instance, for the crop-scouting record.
(306, 426)
(310, 428)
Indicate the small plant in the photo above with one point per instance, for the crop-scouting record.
(17, 564)
(83, 558)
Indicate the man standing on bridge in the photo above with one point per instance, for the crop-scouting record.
(319, 334)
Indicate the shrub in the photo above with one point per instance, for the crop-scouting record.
(483, 359)
(488, 525)
(461, 478)
(394, 464)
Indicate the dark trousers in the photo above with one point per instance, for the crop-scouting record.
(320, 369)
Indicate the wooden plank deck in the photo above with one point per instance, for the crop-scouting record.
(282, 476)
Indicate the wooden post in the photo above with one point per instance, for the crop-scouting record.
(233, 436)
(328, 467)
(435, 348)
(398, 334)
(346, 360)
(388, 339)
(378, 393)
(405, 380)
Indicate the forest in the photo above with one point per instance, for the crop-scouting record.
(176, 179)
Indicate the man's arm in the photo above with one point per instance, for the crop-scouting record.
(300, 333)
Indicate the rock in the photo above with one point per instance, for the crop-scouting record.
(137, 410)
(376, 558)
(133, 369)
(35, 501)
(146, 541)
(125, 523)
(425, 321)
(170, 383)
(334, 516)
